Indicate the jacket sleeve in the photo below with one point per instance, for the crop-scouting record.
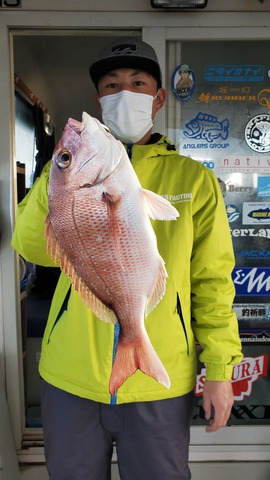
(28, 237)
(212, 291)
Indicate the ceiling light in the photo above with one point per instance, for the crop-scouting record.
(178, 4)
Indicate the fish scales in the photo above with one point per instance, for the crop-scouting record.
(98, 228)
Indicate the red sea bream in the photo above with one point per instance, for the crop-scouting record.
(98, 229)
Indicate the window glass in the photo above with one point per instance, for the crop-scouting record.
(25, 138)
(218, 113)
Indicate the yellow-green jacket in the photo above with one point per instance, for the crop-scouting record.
(78, 349)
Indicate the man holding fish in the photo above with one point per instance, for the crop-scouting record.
(135, 295)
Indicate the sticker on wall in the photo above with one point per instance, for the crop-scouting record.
(245, 164)
(263, 189)
(264, 98)
(207, 127)
(223, 187)
(233, 213)
(252, 312)
(258, 233)
(183, 82)
(234, 73)
(251, 253)
(256, 213)
(257, 133)
(251, 281)
(261, 337)
(227, 94)
(243, 377)
(208, 163)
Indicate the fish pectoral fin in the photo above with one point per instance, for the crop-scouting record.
(158, 207)
(112, 198)
(137, 355)
(113, 201)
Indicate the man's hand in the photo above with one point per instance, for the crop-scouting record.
(217, 404)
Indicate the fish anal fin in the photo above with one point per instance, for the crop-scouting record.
(103, 312)
(89, 298)
(158, 207)
(137, 355)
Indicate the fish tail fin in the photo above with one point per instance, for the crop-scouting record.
(136, 355)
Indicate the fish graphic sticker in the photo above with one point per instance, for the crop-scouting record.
(207, 127)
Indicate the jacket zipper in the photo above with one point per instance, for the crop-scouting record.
(179, 311)
(115, 343)
(60, 313)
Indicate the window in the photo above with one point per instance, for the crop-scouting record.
(219, 116)
(25, 144)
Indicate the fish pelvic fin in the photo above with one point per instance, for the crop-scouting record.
(89, 298)
(136, 355)
(158, 207)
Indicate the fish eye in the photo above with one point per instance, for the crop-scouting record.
(63, 159)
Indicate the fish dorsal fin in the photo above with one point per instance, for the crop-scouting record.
(158, 207)
(59, 256)
(159, 288)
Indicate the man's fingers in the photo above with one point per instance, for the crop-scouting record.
(217, 402)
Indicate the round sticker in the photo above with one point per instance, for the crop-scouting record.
(183, 82)
(257, 133)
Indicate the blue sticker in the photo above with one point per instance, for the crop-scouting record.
(263, 187)
(233, 213)
(209, 164)
(207, 127)
(260, 214)
(183, 82)
(234, 73)
(252, 254)
(251, 281)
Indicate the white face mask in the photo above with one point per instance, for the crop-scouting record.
(128, 115)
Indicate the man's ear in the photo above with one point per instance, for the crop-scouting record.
(98, 101)
(161, 97)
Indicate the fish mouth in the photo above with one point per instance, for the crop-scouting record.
(86, 185)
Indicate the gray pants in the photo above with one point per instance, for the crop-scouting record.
(151, 438)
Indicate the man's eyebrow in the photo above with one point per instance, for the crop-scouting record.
(114, 73)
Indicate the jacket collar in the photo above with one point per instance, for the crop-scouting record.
(162, 147)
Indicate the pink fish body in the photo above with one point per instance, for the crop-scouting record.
(98, 227)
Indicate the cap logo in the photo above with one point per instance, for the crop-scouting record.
(127, 49)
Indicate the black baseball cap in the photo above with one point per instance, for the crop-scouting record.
(126, 52)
